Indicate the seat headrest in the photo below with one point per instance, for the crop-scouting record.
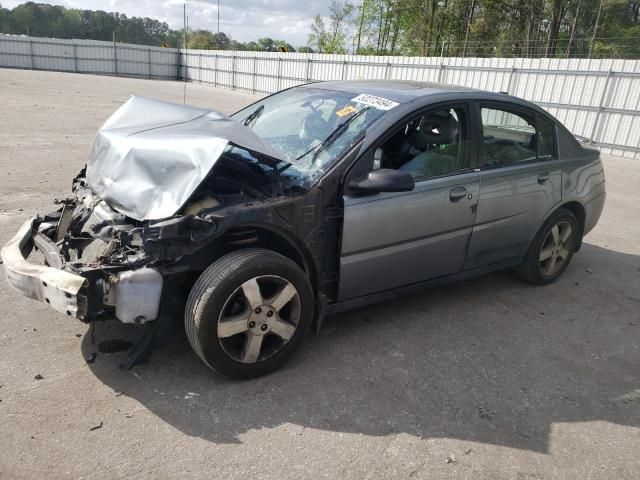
(437, 128)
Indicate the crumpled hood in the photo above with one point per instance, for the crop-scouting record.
(150, 156)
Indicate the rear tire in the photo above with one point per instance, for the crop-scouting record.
(551, 249)
(248, 312)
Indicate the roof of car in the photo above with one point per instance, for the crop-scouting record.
(401, 91)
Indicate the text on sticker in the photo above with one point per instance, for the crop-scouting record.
(375, 102)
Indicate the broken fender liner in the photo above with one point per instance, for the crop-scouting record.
(150, 156)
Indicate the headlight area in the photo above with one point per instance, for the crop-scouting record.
(123, 264)
(128, 283)
(171, 239)
(130, 292)
(88, 239)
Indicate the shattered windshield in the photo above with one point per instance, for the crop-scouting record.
(311, 127)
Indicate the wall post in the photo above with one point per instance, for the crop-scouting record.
(75, 57)
(178, 63)
(149, 62)
(387, 71)
(279, 75)
(31, 54)
(233, 72)
(308, 73)
(215, 70)
(441, 73)
(115, 55)
(605, 90)
(510, 83)
(255, 74)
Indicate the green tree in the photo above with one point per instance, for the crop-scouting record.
(318, 37)
(253, 46)
(267, 44)
(201, 40)
(6, 20)
(332, 38)
(282, 45)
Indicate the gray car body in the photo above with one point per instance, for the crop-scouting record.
(355, 248)
(402, 240)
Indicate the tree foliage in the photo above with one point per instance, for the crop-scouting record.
(526, 28)
(332, 36)
(42, 20)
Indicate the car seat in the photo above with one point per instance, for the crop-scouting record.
(439, 129)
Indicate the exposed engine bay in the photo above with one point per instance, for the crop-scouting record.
(127, 258)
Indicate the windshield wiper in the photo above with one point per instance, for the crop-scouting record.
(256, 113)
(332, 136)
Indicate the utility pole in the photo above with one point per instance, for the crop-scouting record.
(184, 19)
(184, 12)
(218, 18)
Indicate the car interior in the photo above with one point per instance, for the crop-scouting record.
(428, 146)
(508, 138)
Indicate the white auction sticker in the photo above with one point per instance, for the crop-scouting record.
(375, 102)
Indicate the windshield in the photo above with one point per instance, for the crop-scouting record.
(311, 127)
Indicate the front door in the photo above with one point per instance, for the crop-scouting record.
(396, 239)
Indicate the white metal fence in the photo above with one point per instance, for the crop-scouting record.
(595, 98)
(89, 56)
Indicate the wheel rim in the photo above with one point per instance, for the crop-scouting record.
(259, 319)
(556, 248)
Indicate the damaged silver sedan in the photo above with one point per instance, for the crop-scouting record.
(314, 200)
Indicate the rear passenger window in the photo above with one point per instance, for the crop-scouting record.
(515, 137)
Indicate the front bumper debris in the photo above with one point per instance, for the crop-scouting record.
(62, 290)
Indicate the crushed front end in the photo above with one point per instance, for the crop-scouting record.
(161, 183)
(93, 263)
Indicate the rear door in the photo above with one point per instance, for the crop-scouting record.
(520, 181)
(396, 239)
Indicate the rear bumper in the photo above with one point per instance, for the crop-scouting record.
(62, 290)
(592, 211)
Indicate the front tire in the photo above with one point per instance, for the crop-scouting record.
(551, 249)
(248, 312)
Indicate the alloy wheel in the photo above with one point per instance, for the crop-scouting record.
(556, 247)
(259, 318)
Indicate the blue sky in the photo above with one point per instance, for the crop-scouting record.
(243, 19)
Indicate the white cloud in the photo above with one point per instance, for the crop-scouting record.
(242, 19)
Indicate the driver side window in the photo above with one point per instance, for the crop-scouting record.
(431, 145)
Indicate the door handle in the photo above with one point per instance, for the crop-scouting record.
(543, 177)
(457, 193)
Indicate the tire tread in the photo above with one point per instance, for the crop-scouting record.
(528, 269)
(210, 280)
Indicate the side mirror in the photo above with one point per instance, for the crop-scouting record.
(384, 180)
